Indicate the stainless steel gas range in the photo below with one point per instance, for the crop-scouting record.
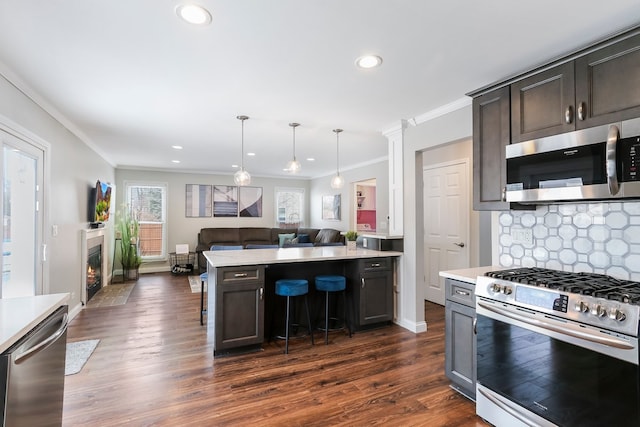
(557, 349)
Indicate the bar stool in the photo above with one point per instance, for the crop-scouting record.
(293, 288)
(328, 284)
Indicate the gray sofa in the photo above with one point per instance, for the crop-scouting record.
(244, 236)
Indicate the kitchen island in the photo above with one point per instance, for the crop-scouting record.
(242, 283)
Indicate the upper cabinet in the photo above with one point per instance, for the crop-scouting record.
(543, 104)
(490, 135)
(600, 87)
(608, 84)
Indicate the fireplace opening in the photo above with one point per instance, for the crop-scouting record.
(94, 270)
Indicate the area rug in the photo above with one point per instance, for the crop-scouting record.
(194, 284)
(77, 355)
(114, 294)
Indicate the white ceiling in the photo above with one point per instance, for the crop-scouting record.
(131, 79)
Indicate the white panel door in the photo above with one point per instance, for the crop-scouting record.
(446, 224)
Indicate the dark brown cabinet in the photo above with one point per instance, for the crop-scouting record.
(460, 337)
(608, 84)
(599, 87)
(239, 307)
(543, 104)
(491, 133)
(371, 282)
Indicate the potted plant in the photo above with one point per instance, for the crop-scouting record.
(351, 237)
(128, 228)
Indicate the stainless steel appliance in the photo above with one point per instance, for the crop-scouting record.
(557, 348)
(598, 163)
(32, 372)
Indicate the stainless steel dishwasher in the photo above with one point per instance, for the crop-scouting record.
(32, 375)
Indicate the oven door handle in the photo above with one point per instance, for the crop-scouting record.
(611, 342)
(496, 400)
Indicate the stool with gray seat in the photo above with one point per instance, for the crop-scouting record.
(331, 284)
(293, 288)
(204, 277)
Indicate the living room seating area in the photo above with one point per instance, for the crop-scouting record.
(264, 236)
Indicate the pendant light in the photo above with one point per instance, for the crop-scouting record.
(293, 166)
(337, 181)
(242, 177)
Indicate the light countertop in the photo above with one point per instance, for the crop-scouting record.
(469, 275)
(381, 236)
(289, 255)
(19, 315)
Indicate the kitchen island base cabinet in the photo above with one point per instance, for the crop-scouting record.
(460, 338)
(239, 309)
(372, 292)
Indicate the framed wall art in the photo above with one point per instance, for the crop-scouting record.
(331, 207)
(198, 202)
(251, 202)
(225, 201)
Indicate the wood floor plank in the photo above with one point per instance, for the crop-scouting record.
(154, 366)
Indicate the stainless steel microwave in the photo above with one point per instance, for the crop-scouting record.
(598, 163)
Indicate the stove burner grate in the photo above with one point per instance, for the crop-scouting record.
(593, 284)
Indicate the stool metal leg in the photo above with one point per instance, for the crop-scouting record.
(326, 319)
(306, 304)
(347, 322)
(201, 301)
(286, 326)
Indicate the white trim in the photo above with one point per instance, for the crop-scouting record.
(415, 327)
(458, 104)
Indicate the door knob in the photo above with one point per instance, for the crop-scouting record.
(461, 244)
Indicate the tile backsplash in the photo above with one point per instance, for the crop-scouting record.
(594, 237)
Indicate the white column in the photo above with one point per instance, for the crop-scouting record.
(395, 135)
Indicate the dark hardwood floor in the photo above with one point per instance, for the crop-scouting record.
(154, 366)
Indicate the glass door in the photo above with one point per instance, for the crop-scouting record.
(22, 182)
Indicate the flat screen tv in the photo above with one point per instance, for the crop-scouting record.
(99, 203)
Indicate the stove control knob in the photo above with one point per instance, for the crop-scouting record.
(598, 310)
(582, 307)
(495, 288)
(617, 314)
(507, 290)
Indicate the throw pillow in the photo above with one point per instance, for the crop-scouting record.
(282, 238)
(303, 238)
(327, 235)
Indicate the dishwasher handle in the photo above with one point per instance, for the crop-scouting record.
(44, 343)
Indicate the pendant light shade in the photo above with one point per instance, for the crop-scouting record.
(242, 177)
(337, 181)
(293, 166)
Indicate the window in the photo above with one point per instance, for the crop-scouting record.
(289, 207)
(148, 203)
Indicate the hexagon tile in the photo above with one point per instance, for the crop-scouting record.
(595, 237)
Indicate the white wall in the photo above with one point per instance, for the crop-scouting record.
(454, 126)
(322, 187)
(73, 170)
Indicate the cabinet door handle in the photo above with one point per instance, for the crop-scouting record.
(240, 275)
(375, 264)
(464, 293)
(475, 324)
(582, 111)
(362, 280)
(261, 293)
(568, 115)
(504, 194)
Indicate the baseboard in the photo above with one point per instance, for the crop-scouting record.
(74, 311)
(415, 327)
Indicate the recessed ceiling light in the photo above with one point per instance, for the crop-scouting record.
(175, 161)
(311, 159)
(194, 14)
(235, 166)
(251, 154)
(369, 61)
(177, 147)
